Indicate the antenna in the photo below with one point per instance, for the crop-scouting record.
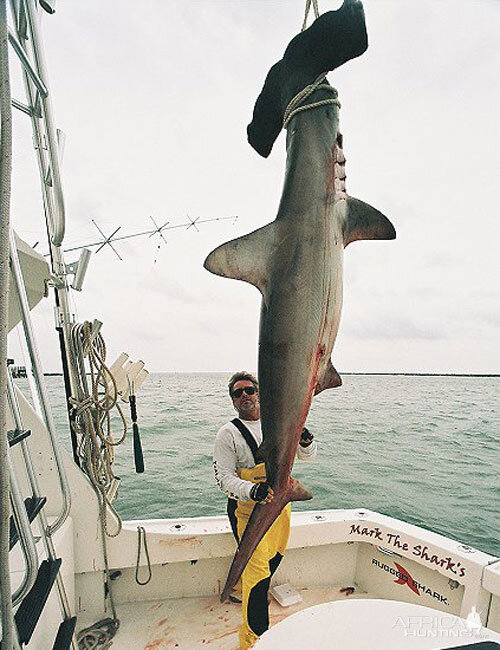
(192, 222)
(157, 230)
(107, 240)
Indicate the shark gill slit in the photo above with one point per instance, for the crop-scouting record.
(327, 288)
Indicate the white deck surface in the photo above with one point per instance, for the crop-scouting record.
(190, 623)
(386, 625)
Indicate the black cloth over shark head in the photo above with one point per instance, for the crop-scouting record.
(333, 39)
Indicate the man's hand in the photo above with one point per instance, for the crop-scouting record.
(262, 493)
(306, 437)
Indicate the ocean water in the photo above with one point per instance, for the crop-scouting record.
(423, 449)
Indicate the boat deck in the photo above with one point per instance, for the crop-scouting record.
(190, 623)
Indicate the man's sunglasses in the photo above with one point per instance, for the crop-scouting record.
(249, 390)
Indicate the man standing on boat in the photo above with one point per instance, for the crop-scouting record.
(241, 474)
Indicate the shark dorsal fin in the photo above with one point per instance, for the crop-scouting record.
(365, 222)
(246, 258)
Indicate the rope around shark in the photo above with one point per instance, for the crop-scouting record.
(294, 106)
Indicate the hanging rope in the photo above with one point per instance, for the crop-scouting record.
(91, 421)
(5, 192)
(141, 540)
(295, 106)
(92, 414)
(308, 7)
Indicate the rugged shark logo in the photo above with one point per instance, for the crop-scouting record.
(403, 577)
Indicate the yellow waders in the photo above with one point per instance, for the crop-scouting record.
(263, 563)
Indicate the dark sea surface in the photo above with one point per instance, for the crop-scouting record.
(424, 449)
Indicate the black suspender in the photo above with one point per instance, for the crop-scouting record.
(249, 439)
(231, 503)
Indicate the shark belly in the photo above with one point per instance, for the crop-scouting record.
(299, 322)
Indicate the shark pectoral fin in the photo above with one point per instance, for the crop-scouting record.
(365, 222)
(299, 492)
(246, 258)
(331, 379)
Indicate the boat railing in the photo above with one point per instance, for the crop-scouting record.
(49, 144)
(21, 54)
(27, 46)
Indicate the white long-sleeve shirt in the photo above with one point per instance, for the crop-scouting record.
(231, 451)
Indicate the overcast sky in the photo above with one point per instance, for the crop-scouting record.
(154, 98)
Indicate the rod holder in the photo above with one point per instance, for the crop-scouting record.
(81, 269)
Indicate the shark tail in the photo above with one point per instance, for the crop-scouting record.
(261, 520)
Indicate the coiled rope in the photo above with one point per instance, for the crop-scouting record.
(91, 423)
(98, 636)
(295, 105)
(5, 192)
(92, 413)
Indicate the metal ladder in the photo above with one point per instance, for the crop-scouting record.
(38, 580)
(35, 591)
(48, 142)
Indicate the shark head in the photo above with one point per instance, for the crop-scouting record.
(333, 39)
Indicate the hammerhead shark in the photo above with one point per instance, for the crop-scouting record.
(296, 261)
